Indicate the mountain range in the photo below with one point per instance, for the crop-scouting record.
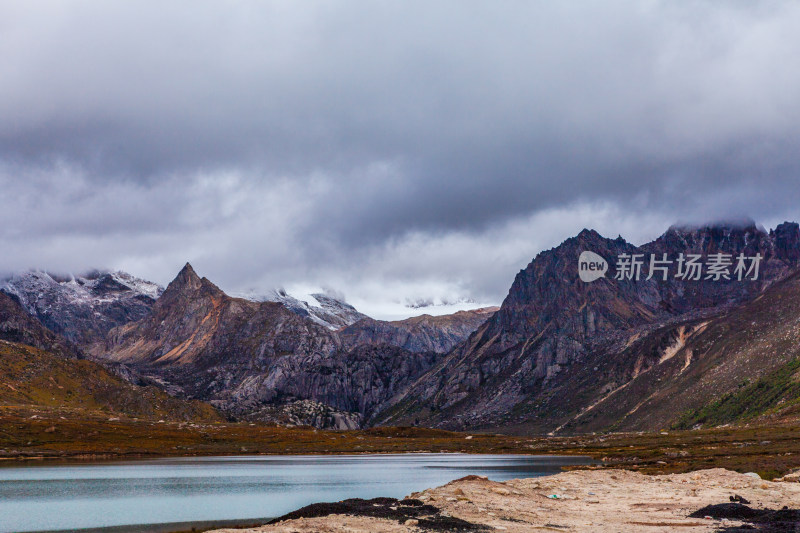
(257, 359)
(560, 355)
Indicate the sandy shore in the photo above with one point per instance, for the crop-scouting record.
(587, 500)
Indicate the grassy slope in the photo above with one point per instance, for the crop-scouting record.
(48, 435)
(770, 451)
(31, 378)
(776, 394)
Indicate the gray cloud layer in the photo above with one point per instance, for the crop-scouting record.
(395, 147)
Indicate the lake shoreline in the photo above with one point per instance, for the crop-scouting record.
(198, 526)
(110, 458)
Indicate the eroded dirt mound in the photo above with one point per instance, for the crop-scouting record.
(426, 517)
(764, 520)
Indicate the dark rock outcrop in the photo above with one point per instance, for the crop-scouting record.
(425, 516)
(787, 242)
(300, 413)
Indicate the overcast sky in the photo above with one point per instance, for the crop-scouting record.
(392, 151)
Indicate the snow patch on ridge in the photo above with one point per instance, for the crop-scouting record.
(90, 289)
(328, 310)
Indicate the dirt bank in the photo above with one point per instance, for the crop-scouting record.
(587, 500)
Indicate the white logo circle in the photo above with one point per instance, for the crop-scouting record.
(591, 266)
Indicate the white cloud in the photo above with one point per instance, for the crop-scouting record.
(395, 151)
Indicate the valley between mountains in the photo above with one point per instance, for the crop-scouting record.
(559, 356)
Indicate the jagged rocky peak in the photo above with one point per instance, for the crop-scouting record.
(588, 235)
(779, 249)
(82, 308)
(85, 287)
(548, 290)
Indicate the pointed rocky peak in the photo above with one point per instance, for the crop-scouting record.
(788, 232)
(188, 273)
(187, 279)
(787, 241)
(549, 287)
(561, 260)
(188, 282)
(588, 235)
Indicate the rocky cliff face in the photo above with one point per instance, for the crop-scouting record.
(361, 381)
(17, 326)
(82, 309)
(520, 369)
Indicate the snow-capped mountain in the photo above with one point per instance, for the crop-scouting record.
(82, 308)
(324, 309)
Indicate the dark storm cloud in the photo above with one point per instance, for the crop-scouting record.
(297, 134)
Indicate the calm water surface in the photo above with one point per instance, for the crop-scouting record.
(74, 496)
